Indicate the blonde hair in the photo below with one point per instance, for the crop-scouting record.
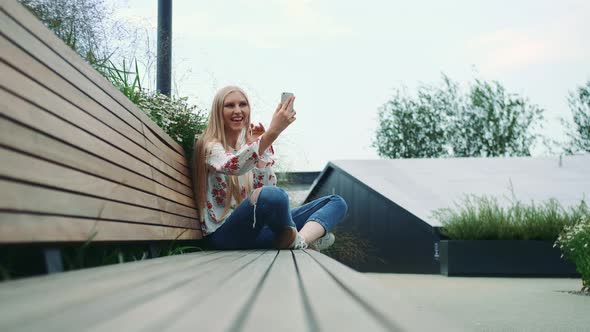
(215, 133)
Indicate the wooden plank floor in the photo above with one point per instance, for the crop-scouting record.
(209, 291)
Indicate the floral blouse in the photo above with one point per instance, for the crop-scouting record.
(222, 163)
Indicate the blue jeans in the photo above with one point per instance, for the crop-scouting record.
(245, 230)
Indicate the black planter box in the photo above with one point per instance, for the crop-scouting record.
(503, 258)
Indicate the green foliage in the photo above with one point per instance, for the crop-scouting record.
(483, 218)
(494, 123)
(417, 127)
(81, 24)
(178, 119)
(175, 116)
(574, 243)
(441, 121)
(124, 79)
(579, 133)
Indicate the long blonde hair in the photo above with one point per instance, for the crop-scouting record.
(215, 133)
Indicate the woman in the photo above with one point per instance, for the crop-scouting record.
(239, 205)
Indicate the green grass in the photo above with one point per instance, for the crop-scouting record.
(483, 218)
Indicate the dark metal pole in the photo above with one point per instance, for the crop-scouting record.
(164, 76)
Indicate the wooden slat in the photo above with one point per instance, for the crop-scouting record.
(220, 311)
(330, 304)
(30, 228)
(21, 167)
(26, 289)
(31, 89)
(389, 308)
(31, 142)
(95, 306)
(20, 197)
(280, 294)
(220, 291)
(157, 313)
(54, 75)
(56, 45)
(24, 112)
(43, 87)
(80, 305)
(178, 162)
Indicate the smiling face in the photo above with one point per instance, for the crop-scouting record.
(236, 112)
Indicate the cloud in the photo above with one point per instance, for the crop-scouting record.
(264, 24)
(562, 40)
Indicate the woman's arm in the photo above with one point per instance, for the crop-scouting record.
(236, 163)
(281, 119)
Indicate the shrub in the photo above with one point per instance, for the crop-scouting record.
(574, 243)
(482, 218)
(178, 119)
(174, 115)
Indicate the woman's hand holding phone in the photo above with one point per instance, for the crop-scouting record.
(281, 119)
(283, 116)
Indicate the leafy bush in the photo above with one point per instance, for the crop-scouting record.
(574, 243)
(174, 115)
(178, 119)
(443, 120)
(579, 131)
(482, 218)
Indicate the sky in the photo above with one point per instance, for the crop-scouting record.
(344, 59)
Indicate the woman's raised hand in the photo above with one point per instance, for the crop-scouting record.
(254, 132)
(282, 117)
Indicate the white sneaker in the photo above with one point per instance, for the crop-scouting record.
(298, 243)
(324, 242)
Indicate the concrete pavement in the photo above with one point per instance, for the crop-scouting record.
(493, 304)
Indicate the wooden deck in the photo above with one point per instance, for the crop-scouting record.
(209, 291)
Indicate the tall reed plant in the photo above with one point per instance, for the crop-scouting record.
(483, 218)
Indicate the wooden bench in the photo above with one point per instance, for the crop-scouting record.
(79, 161)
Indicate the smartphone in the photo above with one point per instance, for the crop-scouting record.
(284, 97)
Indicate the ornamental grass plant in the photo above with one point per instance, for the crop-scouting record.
(484, 218)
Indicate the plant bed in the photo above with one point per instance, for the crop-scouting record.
(522, 258)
